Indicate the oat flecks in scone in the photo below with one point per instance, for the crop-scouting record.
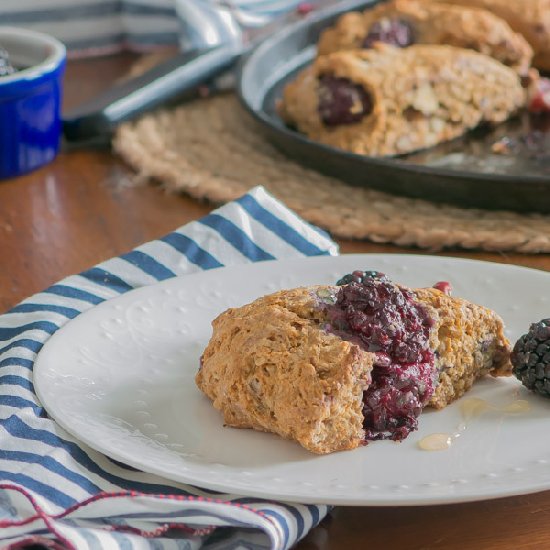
(269, 367)
(471, 344)
(404, 22)
(419, 96)
(530, 18)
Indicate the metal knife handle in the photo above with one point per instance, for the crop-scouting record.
(177, 75)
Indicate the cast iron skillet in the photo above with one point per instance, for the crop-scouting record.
(464, 172)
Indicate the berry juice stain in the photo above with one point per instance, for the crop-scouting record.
(6, 66)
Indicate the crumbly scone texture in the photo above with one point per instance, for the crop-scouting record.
(471, 344)
(531, 18)
(435, 23)
(268, 366)
(422, 95)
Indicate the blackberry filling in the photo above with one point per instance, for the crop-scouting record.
(386, 319)
(341, 101)
(395, 32)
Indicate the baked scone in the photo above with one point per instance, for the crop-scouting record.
(388, 101)
(531, 18)
(402, 23)
(333, 367)
(471, 344)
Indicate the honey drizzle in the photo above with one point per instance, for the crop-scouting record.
(470, 408)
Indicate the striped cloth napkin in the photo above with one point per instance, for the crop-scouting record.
(58, 492)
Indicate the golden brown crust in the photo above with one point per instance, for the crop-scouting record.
(269, 367)
(471, 344)
(422, 96)
(434, 23)
(531, 18)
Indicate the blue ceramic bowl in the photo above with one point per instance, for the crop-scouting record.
(30, 101)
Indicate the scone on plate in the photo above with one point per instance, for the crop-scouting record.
(531, 18)
(402, 23)
(333, 367)
(389, 101)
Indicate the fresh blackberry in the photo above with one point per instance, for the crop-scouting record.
(531, 358)
(6, 67)
(360, 276)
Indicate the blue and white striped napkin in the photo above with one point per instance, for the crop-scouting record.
(58, 492)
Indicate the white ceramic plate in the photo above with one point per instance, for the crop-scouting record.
(120, 377)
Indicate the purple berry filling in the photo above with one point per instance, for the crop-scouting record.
(386, 319)
(341, 101)
(395, 32)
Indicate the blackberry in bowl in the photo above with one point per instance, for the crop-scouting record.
(31, 72)
(6, 68)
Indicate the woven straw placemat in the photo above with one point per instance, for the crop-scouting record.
(211, 149)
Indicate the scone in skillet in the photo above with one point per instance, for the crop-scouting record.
(402, 23)
(531, 18)
(388, 101)
(335, 367)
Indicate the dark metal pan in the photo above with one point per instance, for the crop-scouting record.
(464, 171)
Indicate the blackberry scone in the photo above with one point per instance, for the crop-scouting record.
(333, 367)
(388, 101)
(531, 18)
(402, 23)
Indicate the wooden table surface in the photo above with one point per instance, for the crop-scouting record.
(81, 210)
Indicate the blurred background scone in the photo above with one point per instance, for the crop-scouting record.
(389, 101)
(402, 23)
(531, 18)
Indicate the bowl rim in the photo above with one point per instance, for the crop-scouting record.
(49, 65)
